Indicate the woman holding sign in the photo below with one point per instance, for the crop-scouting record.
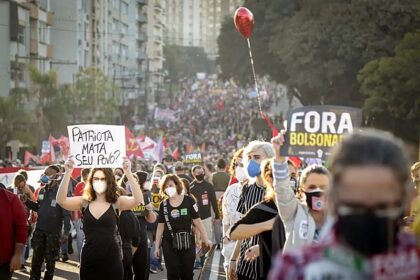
(303, 217)
(101, 253)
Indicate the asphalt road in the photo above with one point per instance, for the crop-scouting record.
(69, 270)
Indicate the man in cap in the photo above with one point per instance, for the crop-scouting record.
(180, 171)
(47, 235)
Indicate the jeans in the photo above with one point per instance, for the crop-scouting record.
(80, 236)
(154, 262)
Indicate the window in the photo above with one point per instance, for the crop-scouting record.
(21, 34)
(124, 8)
(115, 47)
(124, 50)
(115, 4)
(43, 33)
(124, 28)
(115, 24)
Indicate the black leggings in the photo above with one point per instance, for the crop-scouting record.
(141, 262)
(5, 271)
(179, 264)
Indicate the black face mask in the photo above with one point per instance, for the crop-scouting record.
(319, 205)
(200, 177)
(366, 233)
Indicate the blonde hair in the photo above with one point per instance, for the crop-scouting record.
(267, 177)
(256, 145)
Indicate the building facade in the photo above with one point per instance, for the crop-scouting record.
(25, 32)
(197, 23)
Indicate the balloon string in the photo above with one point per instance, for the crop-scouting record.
(255, 79)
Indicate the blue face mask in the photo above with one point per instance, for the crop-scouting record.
(253, 168)
(45, 179)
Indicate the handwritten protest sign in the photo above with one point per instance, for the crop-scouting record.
(193, 158)
(97, 145)
(313, 130)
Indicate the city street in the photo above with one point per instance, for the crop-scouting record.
(69, 270)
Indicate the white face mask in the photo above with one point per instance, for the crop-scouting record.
(99, 187)
(241, 174)
(147, 186)
(170, 191)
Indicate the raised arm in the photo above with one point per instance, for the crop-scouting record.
(128, 202)
(287, 203)
(68, 203)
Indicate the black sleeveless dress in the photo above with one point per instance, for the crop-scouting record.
(101, 256)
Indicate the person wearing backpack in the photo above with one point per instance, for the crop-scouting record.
(101, 253)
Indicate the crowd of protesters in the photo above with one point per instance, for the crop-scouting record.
(218, 116)
(347, 221)
(354, 218)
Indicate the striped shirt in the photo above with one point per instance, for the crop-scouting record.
(251, 195)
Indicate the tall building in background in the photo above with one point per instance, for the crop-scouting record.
(25, 41)
(71, 35)
(154, 50)
(197, 23)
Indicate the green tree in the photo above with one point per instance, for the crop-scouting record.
(49, 104)
(392, 87)
(317, 47)
(183, 61)
(94, 98)
(233, 56)
(14, 120)
(326, 42)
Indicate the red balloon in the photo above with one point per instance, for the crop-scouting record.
(244, 21)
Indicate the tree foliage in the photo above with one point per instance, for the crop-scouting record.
(183, 61)
(14, 120)
(317, 47)
(392, 88)
(93, 98)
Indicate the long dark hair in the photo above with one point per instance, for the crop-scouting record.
(112, 191)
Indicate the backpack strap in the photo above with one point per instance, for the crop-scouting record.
(165, 213)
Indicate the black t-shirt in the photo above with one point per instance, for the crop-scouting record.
(261, 212)
(181, 217)
(206, 198)
(140, 212)
(129, 229)
(185, 176)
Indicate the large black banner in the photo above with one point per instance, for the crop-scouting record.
(313, 130)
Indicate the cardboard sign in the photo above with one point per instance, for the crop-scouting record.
(97, 145)
(193, 158)
(312, 131)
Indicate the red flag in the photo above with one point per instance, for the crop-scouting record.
(176, 155)
(220, 105)
(296, 161)
(45, 159)
(132, 147)
(274, 130)
(165, 143)
(28, 157)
